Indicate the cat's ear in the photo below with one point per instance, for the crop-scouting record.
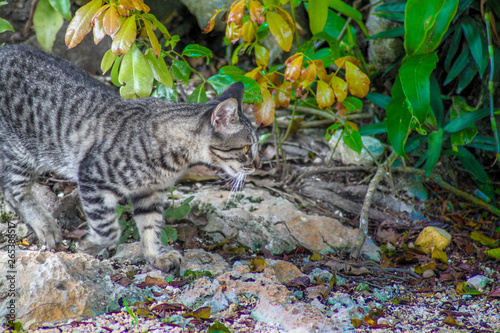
(236, 90)
(225, 116)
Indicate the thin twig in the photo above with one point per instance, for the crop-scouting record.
(363, 219)
(29, 23)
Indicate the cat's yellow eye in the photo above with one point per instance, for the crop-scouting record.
(246, 148)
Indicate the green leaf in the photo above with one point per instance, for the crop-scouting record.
(199, 95)
(280, 30)
(125, 235)
(107, 61)
(252, 89)
(436, 101)
(168, 213)
(318, 13)
(479, 175)
(396, 32)
(392, 6)
(373, 129)
(466, 120)
(341, 7)
(325, 54)
(169, 94)
(352, 138)
(414, 74)
(230, 70)
(188, 200)
(466, 76)
(218, 327)
(434, 151)
(5, 26)
(47, 22)
(195, 50)
(182, 211)
(136, 74)
(168, 235)
(398, 17)
(159, 69)
(458, 66)
(398, 119)
(181, 71)
(455, 44)
(478, 45)
(352, 104)
(119, 211)
(220, 82)
(378, 99)
(63, 8)
(426, 22)
(114, 71)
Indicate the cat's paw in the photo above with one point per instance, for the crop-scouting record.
(167, 262)
(85, 245)
(49, 234)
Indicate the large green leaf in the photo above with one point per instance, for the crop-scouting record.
(443, 20)
(478, 45)
(373, 129)
(62, 7)
(136, 74)
(426, 22)
(159, 68)
(434, 151)
(398, 119)
(280, 29)
(252, 89)
(466, 134)
(47, 22)
(199, 95)
(318, 13)
(414, 74)
(181, 70)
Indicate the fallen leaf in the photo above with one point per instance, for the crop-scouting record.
(257, 265)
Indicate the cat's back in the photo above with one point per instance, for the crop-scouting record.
(26, 66)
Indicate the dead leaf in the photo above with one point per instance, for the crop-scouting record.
(257, 265)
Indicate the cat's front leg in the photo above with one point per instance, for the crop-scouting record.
(149, 220)
(99, 204)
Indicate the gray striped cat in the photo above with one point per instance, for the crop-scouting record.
(56, 118)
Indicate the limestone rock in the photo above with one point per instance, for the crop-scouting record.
(200, 260)
(259, 220)
(432, 237)
(285, 271)
(52, 287)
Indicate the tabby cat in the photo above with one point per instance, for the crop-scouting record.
(56, 118)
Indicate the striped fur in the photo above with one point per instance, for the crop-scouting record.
(55, 118)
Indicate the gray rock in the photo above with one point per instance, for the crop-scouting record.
(259, 220)
(382, 52)
(52, 287)
(199, 260)
(478, 282)
(342, 152)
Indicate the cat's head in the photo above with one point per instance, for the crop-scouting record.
(233, 142)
